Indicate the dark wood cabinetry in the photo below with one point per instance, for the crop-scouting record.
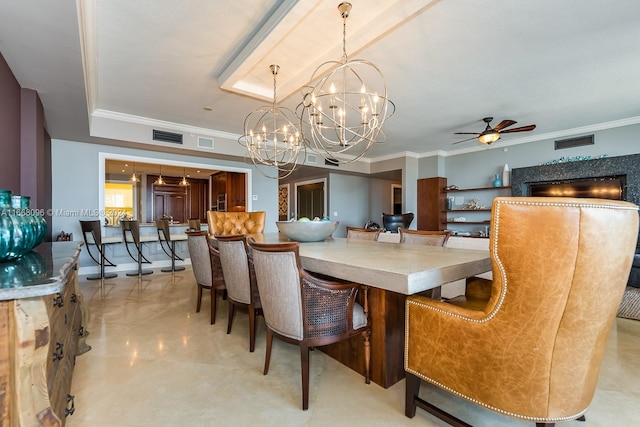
(228, 191)
(181, 203)
(431, 203)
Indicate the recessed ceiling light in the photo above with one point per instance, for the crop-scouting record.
(207, 108)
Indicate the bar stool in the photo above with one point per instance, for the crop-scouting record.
(164, 234)
(131, 234)
(194, 224)
(92, 235)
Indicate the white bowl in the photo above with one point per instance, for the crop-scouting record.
(311, 231)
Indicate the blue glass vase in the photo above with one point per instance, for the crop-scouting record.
(20, 228)
(497, 182)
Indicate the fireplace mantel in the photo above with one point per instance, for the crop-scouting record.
(629, 165)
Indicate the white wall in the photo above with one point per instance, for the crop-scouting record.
(349, 197)
(76, 181)
(478, 168)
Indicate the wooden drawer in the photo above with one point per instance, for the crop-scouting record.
(62, 309)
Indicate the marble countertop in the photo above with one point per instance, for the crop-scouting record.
(43, 271)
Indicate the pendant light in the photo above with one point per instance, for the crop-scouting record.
(272, 139)
(160, 181)
(183, 182)
(134, 178)
(342, 114)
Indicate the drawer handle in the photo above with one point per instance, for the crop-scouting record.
(59, 353)
(58, 301)
(70, 410)
(74, 298)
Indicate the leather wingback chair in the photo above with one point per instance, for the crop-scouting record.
(391, 222)
(304, 309)
(534, 351)
(230, 223)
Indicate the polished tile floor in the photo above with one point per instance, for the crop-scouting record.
(155, 362)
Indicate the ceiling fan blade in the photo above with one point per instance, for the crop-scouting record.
(466, 133)
(520, 129)
(464, 140)
(504, 124)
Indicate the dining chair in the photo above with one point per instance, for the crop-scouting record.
(240, 280)
(205, 263)
(355, 233)
(560, 266)
(303, 309)
(424, 237)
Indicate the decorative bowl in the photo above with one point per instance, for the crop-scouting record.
(310, 231)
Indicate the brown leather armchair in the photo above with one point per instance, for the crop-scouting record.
(230, 223)
(533, 352)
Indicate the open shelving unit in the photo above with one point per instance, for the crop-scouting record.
(449, 220)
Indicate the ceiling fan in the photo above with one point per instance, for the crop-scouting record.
(491, 135)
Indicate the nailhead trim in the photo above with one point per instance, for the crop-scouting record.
(493, 408)
(495, 228)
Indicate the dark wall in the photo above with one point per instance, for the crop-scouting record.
(9, 129)
(25, 163)
(35, 151)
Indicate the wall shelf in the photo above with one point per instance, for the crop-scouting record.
(460, 190)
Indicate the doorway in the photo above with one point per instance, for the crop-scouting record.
(311, 200)
(396, 199)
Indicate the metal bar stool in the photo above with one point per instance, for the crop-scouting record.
(164, 234)
(194, 224)
(92, 235)
(131, 234)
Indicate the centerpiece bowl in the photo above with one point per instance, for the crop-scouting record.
(309, 231)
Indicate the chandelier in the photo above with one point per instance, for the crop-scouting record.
(272, 139)
(345, 110)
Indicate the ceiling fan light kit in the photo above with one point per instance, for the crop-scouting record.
(491, 135)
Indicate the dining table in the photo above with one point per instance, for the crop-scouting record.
(391, 272)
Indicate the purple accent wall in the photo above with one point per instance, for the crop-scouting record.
(9, 129)
(34, 181)
(25, 145)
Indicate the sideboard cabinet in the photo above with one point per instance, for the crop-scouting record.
(41, 333)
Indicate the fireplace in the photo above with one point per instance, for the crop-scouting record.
(608, 187)
(526, 181)
(620, 173)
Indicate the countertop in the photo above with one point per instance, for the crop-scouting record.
(43, 271)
